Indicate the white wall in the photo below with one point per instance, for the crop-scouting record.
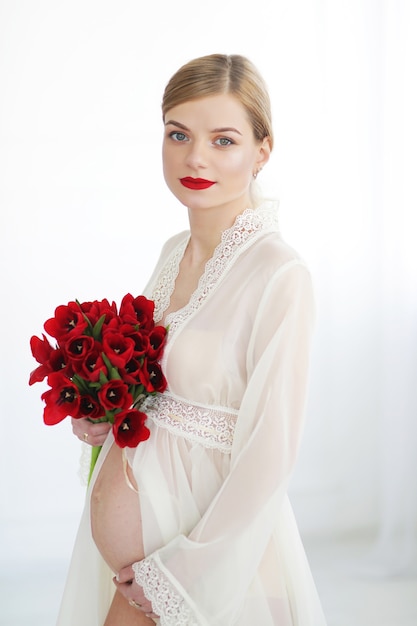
(84, 211)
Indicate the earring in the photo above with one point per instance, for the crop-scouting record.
(255, 174)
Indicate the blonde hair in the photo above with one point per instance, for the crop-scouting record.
(229, 74)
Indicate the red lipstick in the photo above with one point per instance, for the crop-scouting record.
(196, 183)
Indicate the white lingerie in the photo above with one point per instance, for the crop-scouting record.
(221, 543)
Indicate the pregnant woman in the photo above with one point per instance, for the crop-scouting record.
(194, 526)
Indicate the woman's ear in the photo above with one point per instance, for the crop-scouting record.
(264, 152)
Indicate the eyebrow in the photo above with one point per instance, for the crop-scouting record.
(226, 129)
(174, 123)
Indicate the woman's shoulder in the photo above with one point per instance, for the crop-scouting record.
(175, 240)
(273, 252)
(271, 249)
(173, 245)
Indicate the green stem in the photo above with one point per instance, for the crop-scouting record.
(95, 451)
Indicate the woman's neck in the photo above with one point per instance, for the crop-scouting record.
(206, 228)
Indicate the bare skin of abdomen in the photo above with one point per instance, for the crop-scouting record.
(117, 531)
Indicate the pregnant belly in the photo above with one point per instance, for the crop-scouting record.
(115, 514)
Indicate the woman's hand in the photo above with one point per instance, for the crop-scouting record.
(94, 434)
(128, 587)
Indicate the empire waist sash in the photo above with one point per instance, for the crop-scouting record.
(211, 426)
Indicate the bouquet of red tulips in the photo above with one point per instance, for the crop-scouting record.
(104, 363)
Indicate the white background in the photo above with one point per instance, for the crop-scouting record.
(84, 212)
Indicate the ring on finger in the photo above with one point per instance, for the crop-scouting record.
(135, 604)
(85, 436)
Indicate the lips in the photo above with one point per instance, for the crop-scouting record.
(196, 183)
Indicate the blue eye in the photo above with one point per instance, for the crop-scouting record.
(178, 136)
(223, 141)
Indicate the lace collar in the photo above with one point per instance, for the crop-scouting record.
(247, 226)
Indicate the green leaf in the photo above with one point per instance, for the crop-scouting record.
(103, 378)
(112, 371)
(98, 326)
(89, 324)
(114, 374)
(139, 396)
(107, 362)
(98, 420)
(96, 385)
(82, 385)
(110, 415)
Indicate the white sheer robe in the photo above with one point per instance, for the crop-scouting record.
(221, 541)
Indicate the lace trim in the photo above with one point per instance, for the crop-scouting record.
(166, 601)
(211, 427)
(85, 464)
(246, 226)
(164, 288)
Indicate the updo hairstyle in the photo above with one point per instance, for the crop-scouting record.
(223, 74)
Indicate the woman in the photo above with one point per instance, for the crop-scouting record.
(196, 521)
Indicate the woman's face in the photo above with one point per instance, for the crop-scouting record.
(210, 153)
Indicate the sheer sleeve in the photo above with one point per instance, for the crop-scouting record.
(203, 578)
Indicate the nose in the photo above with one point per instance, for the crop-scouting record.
(197, 155)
